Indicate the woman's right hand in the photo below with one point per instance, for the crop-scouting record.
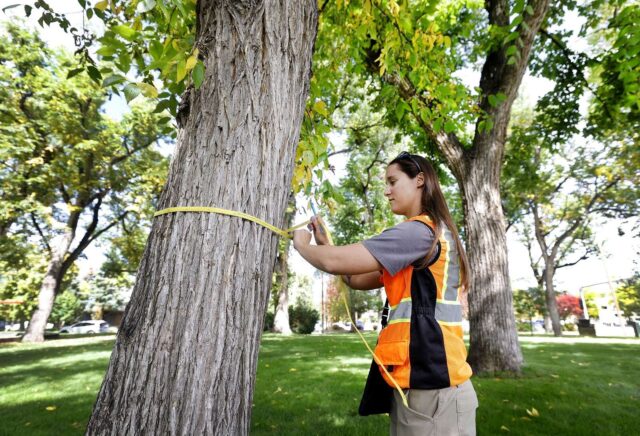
(318, 229)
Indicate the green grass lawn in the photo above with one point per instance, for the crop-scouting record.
(312, 384)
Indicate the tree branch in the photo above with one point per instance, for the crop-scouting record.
(39, 230)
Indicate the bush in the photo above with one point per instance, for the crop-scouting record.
(303, 319)
(569, 326)
(524, 326)
(268, 321)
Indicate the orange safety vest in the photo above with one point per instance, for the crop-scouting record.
(422, 345)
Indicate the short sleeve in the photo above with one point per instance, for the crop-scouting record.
(400, 246)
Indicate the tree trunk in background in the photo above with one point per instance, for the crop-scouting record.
(550, 296)
(494, 341)
(281, 317)
(51, 283)
(185, 358)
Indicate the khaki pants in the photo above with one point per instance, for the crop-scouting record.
(437, 412)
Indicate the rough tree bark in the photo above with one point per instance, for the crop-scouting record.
(185, 358)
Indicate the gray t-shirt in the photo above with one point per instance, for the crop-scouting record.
(400, 246)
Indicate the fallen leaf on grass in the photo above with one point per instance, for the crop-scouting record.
(51, 408)
(533, 412)
(555, 376)
(292, 370)
(504, 428)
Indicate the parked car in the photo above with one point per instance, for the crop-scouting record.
(91, 326)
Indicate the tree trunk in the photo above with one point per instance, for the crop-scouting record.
(185, 358)
(550, 297)
(49, 288)
(281, 317)
(493, 340)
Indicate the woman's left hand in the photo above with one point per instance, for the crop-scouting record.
(301, 238)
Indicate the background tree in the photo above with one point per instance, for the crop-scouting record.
(629, 296)
(282, 277)
(74, 165)
(529, 303)
(565, 165)
(411, 51)
(364, 210)
(568, 305)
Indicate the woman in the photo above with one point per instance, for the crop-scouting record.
(423, 267)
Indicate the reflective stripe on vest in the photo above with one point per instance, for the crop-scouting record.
(449, 312)
(451, 280)
(401, 312)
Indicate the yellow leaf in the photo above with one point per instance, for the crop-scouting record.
(320, 107)
(394, 8)
(181, 70)
(148, 90)
(35, 161)
(533, 412)
(51, 408)
(292, 370)
(191, 62)
(102, 5)
(504, 428)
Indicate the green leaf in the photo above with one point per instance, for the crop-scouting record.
(102, 5)
(399, 111)
(449, 126)
(113, 80)
(106, 50)
(94, 73)
(516, 21)
(162, 105)
(27, 10)
(198, 74)
(131, 91)
(6, 8)
(156, 48)
(125, 31)
(529, 10)
(74, 72)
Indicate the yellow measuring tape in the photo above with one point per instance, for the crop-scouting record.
(285, 234)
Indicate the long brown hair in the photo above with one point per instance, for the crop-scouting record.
(434, 205)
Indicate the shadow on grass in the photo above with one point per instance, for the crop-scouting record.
(20, 354)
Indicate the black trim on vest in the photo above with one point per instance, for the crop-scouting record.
(427, 354)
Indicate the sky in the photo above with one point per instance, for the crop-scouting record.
(619, 252)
